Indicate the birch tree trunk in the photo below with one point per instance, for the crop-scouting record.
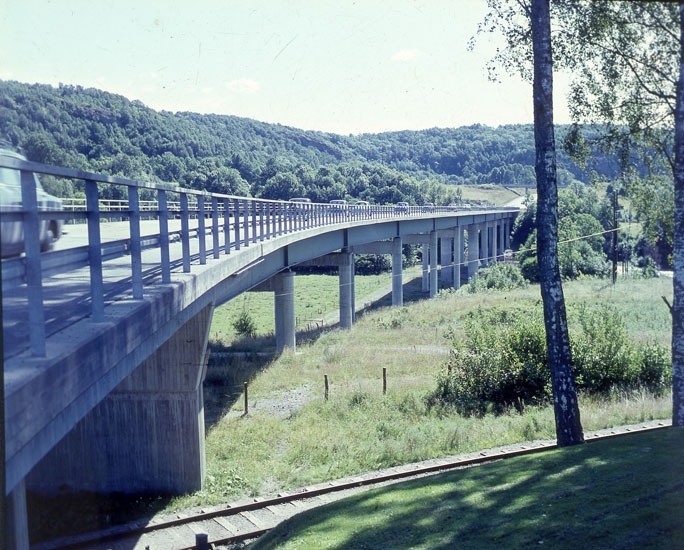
(566, 409)
(678, 247)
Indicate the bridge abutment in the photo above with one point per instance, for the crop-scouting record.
(147, 435)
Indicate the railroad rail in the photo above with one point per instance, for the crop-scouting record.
(222, 527)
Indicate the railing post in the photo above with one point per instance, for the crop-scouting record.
(185, 232)
(246, 221)
(261, 207)
(201, 231)
(215, 227)
(94, 251)
(34, 275)
(136, 248)
(280, 214)
(164, 236)
(253, 210)
(226, 224)
(236, 223)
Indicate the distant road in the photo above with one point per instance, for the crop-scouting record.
(519, 202)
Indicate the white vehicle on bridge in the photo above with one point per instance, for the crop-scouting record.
(338, 207)
(11, 226)
(300, 208)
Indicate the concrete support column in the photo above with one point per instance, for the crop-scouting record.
(397, 273)
(147, 435)
(426, 265)
(506, 237)
(446, 273)
(353, 287)
(481, 251)
(284, 305)
(17, 519)
(434, 282)
(473, 250)
(458, 256)
(485, 232)
(345, 283)
(495, 241)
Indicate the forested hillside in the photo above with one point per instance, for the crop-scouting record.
(103, 132)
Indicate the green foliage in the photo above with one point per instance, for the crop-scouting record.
(500, 276)
(601, 351)
(502, 362)
(372, 264)
(583, 229)
(86, 128)
(244, 325)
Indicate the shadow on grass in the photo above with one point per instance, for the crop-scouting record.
(622, 493)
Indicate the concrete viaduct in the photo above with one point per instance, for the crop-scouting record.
(106, 340)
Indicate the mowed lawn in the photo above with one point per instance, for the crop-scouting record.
(626, 492)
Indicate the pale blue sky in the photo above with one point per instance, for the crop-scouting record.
(344, 66)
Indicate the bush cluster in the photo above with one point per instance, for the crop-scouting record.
(500, 276)
(501, 364)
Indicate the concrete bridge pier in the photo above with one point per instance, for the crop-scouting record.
(485, 254)
(473, 250)
(147, 435)
(434, 282)
(284, 310)
(346, 289)
(425, 281)
(458, 257)
(505, 233)
(397, 273)
(495, 241)
(446, 273)
(17, 519)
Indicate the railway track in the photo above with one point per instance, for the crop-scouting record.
(227, 526)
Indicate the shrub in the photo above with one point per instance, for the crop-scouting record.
(654, 367)
(502, 364)
(601, 351)
(244, 325)
(499, 276)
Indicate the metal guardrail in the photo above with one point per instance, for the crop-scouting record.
(233, 222)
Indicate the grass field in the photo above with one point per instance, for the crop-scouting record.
(623, 493)
(293, 436)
